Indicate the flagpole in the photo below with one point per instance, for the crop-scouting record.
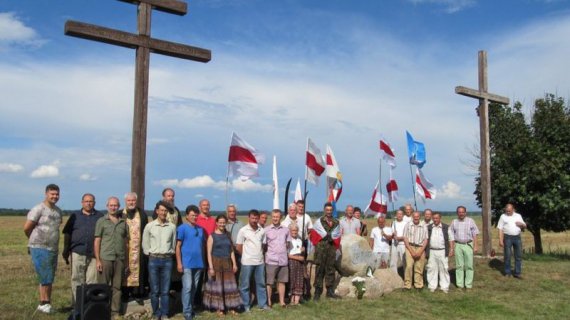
(413, 187)
(227, 184)
(380, 181)
(303, 236)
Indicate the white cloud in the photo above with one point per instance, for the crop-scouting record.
(451, 6)
(199, 196)
(45, 171)
(451, 190)
(206, 181)
(11, 167)
(249, 185)
(87, 177)
(14, 31)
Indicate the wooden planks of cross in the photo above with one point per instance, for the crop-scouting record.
(483, 111)
(144, 45)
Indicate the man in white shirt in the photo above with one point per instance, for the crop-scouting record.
(398, 247)
(408, 210)
(306, 222)
(440, 246)
(510, 226)
(380, 238)
(250, 240)
(349, 224)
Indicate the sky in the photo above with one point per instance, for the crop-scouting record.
(344, 73)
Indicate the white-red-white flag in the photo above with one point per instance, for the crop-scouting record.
(392, 189)
(275, 185)
(244, 160)
(298, 193)
(387, 153)
(377, 203)
(423, 187)
(334, 176)
(315, 163)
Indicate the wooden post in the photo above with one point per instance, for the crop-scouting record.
(483, 111)
(144, 45)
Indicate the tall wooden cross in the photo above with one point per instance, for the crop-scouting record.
(144, 44)
(483, 110)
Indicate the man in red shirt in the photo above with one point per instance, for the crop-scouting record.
(204, 219)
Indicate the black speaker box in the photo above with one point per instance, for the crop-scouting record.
(93, 302)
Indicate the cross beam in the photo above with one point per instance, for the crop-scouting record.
(483, 110)
(144, 45)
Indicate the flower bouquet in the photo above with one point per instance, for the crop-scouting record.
(359, 287)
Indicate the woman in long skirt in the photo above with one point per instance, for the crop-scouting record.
(296, 264)
(221, 292)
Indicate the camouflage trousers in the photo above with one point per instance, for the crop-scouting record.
(325, 256)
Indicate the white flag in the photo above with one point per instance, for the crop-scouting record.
(298, 193)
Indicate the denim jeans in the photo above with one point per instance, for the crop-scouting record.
(513, 243)
(258, 272)
(190, 280)
(159, 271)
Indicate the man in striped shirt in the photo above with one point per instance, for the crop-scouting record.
(415, 240)
(465, 233)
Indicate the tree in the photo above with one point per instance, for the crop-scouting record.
(530, 164)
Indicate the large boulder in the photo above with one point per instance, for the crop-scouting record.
(356, 256)
(390, 280)
(374, 288)
(383, 281)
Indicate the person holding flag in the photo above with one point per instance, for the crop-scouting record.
(325, 236)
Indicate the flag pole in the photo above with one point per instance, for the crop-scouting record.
(303, 235)
(413, 187)
(227, 184)
(380, 181)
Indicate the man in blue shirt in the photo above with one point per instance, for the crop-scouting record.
(79, 234)
(190, 258)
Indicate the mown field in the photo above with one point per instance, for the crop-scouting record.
(543, 294)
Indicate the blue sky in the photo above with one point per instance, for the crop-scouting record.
(344, 73)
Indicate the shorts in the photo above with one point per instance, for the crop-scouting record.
(272, 271)
(45, 263)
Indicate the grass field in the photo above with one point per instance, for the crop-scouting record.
(543, 294)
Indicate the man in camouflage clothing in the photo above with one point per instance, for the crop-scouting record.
(326, 238)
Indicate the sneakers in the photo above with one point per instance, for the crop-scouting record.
(45, 308)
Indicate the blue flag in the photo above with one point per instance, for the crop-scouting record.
(416, 151)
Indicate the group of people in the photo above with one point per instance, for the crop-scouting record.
(413, 241)
(223, 265)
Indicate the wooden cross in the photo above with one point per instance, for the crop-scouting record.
(143, 44)
(483, 112)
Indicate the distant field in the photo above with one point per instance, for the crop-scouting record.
(544, 293)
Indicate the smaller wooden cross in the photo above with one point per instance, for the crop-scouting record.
(144, 45)
(483, 111)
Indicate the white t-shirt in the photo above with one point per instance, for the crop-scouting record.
(381, 244)
(398, 230)
(508, 224)
(295, 246)
(252, 241)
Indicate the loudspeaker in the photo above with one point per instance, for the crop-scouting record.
(93, 302)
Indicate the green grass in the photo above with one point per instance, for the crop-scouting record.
(543, 294)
